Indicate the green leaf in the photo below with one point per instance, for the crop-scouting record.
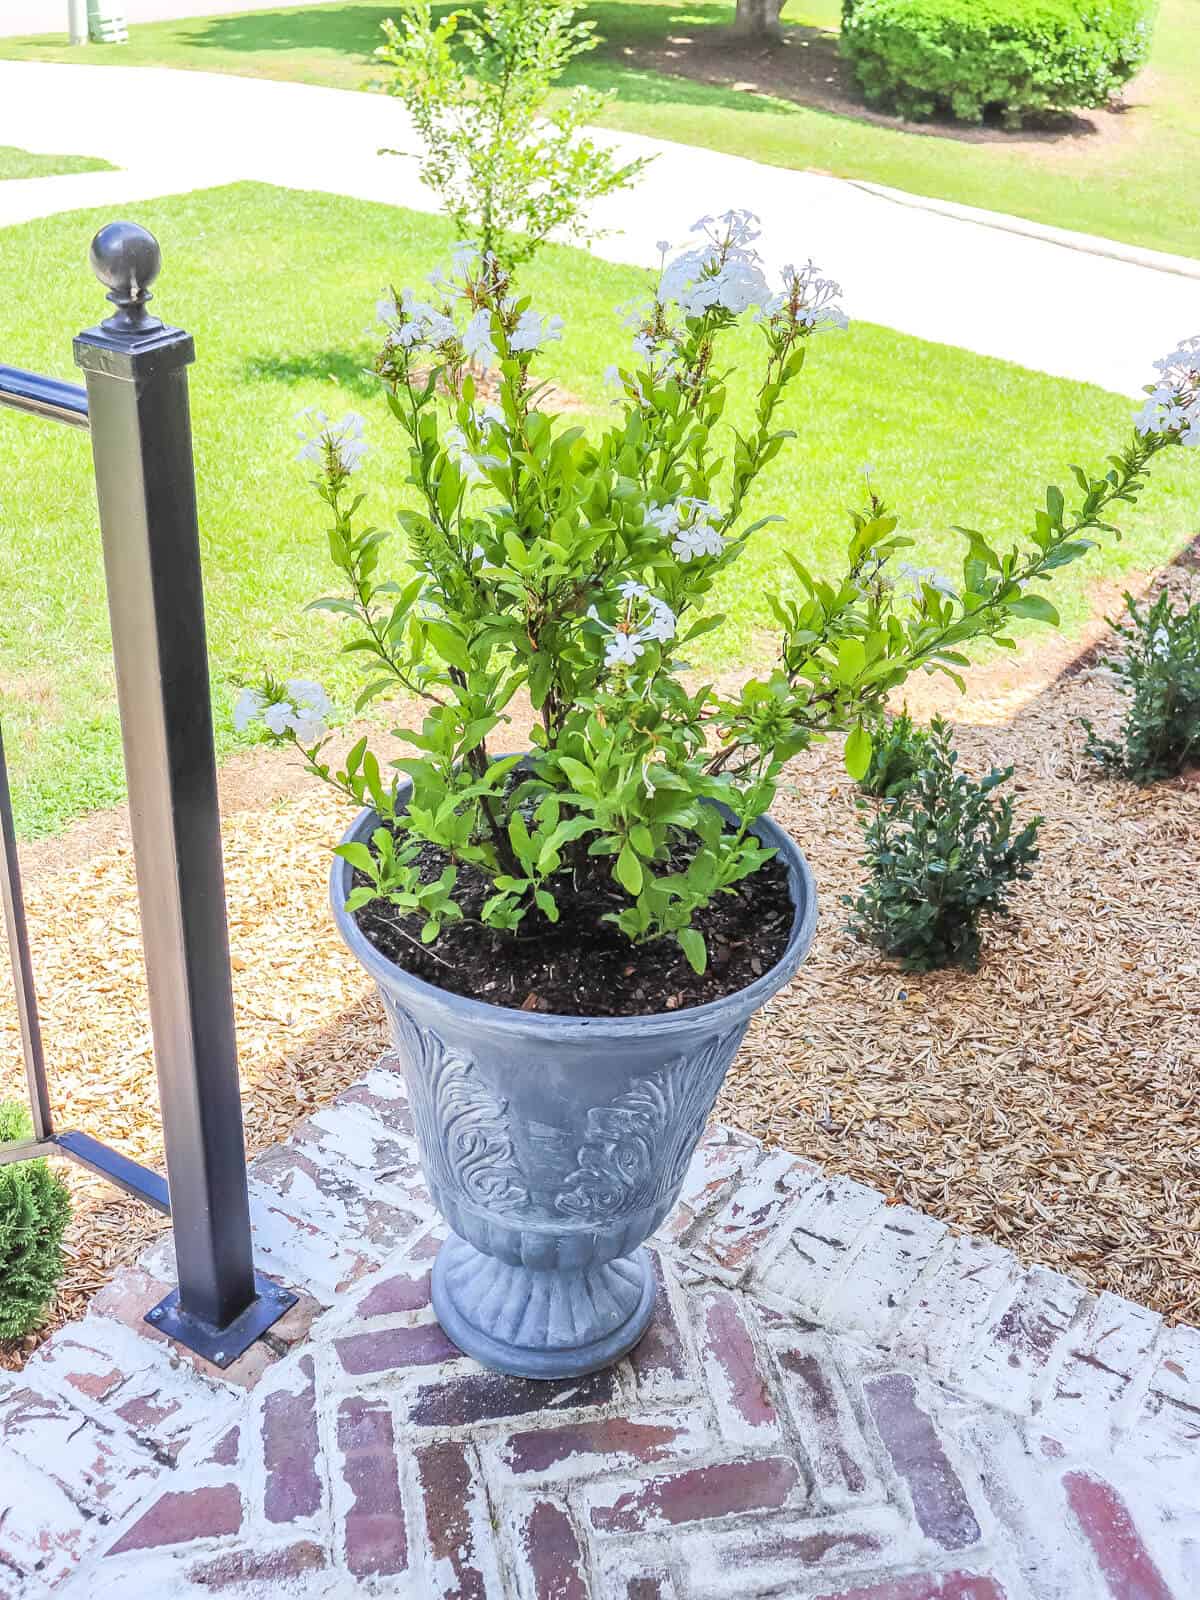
(628, 870)
(858, 752)
(358, 856)
(1034, 606)
(691, 942)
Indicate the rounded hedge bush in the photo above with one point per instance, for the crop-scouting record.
(34, 1208)
(1018, 59)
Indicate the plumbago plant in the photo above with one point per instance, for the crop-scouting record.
(580, 569)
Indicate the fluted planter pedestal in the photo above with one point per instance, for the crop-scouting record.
(554, 1146)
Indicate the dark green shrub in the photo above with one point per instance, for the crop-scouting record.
(1160, 672)
(940, 856)
(34, 1208)
(1018, 59)
(899, 749)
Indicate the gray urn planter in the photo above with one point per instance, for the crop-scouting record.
(554, 1146)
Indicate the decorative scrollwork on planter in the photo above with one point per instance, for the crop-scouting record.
(461, 1123)
(636, 1149)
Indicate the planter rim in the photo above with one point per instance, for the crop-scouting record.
(640, 1025)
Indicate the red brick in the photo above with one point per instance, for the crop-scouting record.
(1026, 1500)
(736, 1374)
(750, 1219)
(1104, 1362)
(291, 1448)
(779, 1554)
(355, 1138)
(407, 1291)
(939, 1500)
(181, 1516)
(483, 1396)
(1104, 1518)
(820, 1236)
(924, 1586)
(660, 1359)
(825, 1420)
(457, 1524)
(235, 1568)
(951, 1303)
(327, 1197)
(102, 1472)
(1024, 1341)
(382, 1091)
(609, 1442)
(376, 1537)
(696, 1494)
(226, 1450)
(547, 1539)
(720, 1159)
(421, 1345)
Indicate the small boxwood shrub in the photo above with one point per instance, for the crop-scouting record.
(1160, 672)
(1021, 60)
(34, 1208)
(898, 751)
(940, 857)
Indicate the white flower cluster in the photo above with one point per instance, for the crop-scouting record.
(724, 270)
(628, 639)
(345, 436)
(919, 576)
(414, 324)
(302, 713)
(688, 523)
(1174, 403)
(809, 297)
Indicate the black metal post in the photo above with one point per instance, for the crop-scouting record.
(22, 966)
(136, 377)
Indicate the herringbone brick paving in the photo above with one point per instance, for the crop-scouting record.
(838, 1400)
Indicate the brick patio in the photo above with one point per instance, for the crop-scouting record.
(838, 1400)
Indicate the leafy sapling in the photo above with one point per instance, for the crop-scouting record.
(940, 858)
(1159, 672)
(899, 749)
(577, 566)
(510, 169)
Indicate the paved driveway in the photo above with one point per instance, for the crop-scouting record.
(984, 282)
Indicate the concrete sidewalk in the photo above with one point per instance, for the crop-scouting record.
(994, 286)
(21, 17)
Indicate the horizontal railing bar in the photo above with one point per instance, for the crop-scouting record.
(106, 1163)
(117, 1169)
(44, 397)
(26, 1150)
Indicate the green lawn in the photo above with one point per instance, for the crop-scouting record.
(1142, 186)
(271, 338)
(16, 163)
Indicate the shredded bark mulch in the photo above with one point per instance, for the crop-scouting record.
(1049, 1101)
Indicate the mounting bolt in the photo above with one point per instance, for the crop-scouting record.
(155, 1315)
(220, 1356)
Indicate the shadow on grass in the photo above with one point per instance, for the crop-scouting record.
(653, 54)
(623, 32)
(329, 366)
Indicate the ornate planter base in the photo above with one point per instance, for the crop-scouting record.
(554, 1146)
(541, 1324)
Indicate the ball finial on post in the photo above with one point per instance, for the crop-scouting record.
(126, 258)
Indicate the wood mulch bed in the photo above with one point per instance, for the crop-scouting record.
(806, 67)
(1049, 1101)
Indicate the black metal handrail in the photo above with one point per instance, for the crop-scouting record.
(44, 397)
(136, 407)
